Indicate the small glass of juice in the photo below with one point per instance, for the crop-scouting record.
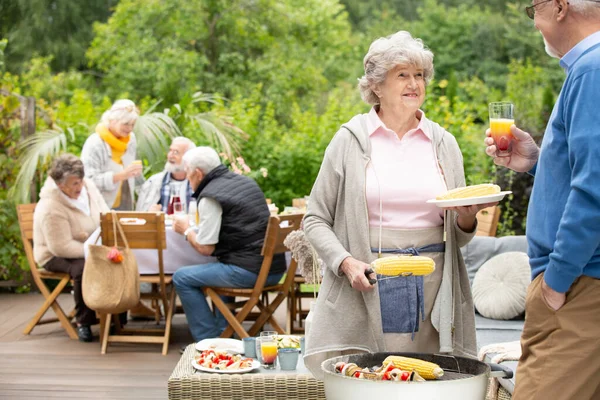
(501, 119)
(268, 350)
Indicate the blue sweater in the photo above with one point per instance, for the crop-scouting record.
(563, 221)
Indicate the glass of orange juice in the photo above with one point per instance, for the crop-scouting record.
(268, 350)
(501, 119)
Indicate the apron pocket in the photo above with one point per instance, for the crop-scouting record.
(402, 303)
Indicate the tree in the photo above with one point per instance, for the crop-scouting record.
(168, 48)
(3, 43)
(58, 28)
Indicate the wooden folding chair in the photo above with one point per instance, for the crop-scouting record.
(487, 221)
(40, 275)
(149, 235)
(273, 244)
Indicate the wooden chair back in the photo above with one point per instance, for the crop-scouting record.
(25, 216)
(273, 244)
(150, 234)
(487, 221)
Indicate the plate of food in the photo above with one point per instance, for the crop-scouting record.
(288, 341)
(223, 345)
(224, 363)
(470, 195)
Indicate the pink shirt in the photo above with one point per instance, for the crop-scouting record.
(407, 173)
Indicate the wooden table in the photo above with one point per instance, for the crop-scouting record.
(187, 383)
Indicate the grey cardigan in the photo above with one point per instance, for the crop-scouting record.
(336, 224)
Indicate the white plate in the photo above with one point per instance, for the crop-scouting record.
(255, 365)
(490, 198)
(217, 344)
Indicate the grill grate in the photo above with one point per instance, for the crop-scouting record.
(453, 376)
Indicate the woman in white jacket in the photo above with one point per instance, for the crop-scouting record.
(109, 155)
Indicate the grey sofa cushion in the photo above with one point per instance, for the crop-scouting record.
(482, 248)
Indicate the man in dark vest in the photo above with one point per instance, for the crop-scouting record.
(233, 217)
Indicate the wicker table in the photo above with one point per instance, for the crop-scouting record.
(187, 383)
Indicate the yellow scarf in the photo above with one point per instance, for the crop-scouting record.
(118, 146)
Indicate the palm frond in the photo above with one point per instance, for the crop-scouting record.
(153, 132)
(37, 150)
(222, 134)
(207, 97)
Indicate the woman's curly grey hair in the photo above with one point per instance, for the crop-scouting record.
(385, 53)
(64, 166)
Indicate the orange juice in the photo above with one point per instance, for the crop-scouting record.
(500, 128)
(269, 352)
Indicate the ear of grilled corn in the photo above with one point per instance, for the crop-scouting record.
(403, 265)
(470, 191)
(426, 369)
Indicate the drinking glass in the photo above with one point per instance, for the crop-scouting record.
(178, 208)
(268, 349)
(501, 119)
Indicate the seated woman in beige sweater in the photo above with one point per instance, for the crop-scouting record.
(66, 215)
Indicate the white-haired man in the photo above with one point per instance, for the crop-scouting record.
(562, 323)
(233, 222)
(155, 193)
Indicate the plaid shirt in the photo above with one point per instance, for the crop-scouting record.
(165, 192)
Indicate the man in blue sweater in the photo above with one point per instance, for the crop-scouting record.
(561, 337)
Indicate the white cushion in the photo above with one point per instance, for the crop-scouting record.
(500, 286)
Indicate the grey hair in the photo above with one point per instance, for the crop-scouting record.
(386, 53)
(204, 158)
(181, 139)
(586, 8)
(64, 166)
(122, 111)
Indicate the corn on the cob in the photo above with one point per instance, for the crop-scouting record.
(426, 369)
(470, 191)
(404, 265)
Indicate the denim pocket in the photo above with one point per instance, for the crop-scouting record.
(402, 303)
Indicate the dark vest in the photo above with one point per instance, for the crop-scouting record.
(243, 222)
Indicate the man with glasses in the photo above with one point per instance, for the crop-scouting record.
(561, 337)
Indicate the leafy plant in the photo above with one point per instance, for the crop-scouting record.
(152, 130)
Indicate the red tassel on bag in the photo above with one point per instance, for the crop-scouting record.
(115, 255)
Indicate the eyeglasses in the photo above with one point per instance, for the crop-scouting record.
(531, 9)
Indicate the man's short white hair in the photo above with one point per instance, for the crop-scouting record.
(204, 158)
(386, 53)
(183, 140)
(122, 111)
(585, 7)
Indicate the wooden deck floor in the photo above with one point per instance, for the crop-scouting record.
(47, 364)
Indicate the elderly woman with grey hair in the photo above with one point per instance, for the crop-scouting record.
(66, 215)
(370, 200)
(109, 155)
